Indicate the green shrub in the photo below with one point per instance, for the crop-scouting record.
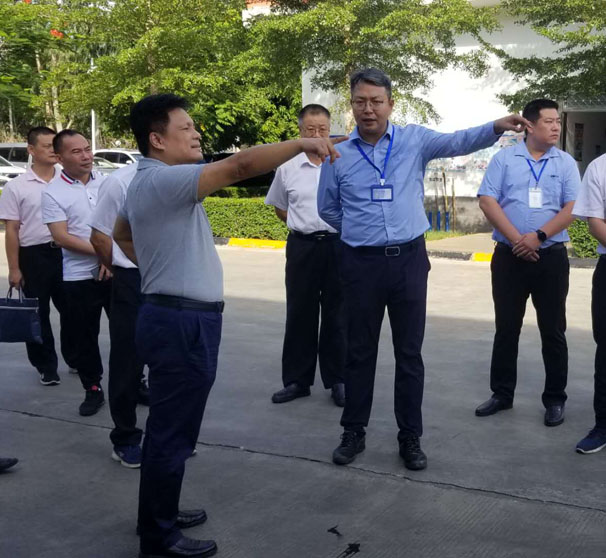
(244, 218)
(241, 192)
(584, 244)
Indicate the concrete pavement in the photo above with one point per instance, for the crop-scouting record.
(502, 486)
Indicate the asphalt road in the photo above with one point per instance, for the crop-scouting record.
(503, 486)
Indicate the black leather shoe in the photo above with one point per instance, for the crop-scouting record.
(190, 518)
(7, 463)
(352, 443)
(290, 392)
(492, 406)
(412, 454)
(337, 393)
(554, 415)
(184, 547)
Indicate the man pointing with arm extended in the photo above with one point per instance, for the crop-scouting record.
(373, 195)
(179, 323)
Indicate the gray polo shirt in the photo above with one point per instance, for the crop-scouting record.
(171, 233)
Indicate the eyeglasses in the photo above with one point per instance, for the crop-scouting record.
(360, 104)
(312, 130)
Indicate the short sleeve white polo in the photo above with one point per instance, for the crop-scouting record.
(21, 201)
(295, 190)
(591, 201)
(111, 198)
(66, 199)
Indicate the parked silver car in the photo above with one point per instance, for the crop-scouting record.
(119, 157)
(8, 171)
(15, 153)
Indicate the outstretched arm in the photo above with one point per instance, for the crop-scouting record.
(260, 160)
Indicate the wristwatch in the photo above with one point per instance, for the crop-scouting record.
(541, 235)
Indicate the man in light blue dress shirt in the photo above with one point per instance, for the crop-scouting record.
(373, 195)
(527, 194)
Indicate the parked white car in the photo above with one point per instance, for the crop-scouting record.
(119, 157)
(15, 153)
(8, 171)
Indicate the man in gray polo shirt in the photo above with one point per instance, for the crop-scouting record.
(163, 227)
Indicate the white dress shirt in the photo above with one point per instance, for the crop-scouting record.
(21, 201)
(66, 199)
(295, 190)
(591, 201)
(111, 198)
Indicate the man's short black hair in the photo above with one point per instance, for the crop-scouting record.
(150, 114)
(532, 111)
(313, 109)
(37, 131)
(58, 139)
(372, 76)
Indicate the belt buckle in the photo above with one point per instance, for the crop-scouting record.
(392, 251)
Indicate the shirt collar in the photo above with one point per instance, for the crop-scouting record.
(306, 162)
(521, 150)
(356, 134)
(67, 178)
(148, 162)
(30, 175)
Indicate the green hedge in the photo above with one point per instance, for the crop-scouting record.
(583, 243)
(241, 192)
(244, 218)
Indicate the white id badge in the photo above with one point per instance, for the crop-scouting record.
(535, 198)
(382, 193)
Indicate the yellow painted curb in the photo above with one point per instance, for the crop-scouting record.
(481, 257)
(256, 243)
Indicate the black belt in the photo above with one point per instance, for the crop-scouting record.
(390, 251)
(184, 303)
(552, 248)
(318, 235)
(50, 244)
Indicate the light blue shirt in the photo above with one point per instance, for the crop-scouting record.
(344, 194)
(508, 179)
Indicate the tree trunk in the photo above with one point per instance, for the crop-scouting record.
(48, 115)
(55, 99)
(11, 119)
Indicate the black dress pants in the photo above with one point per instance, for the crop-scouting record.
(125, 366)
(42, 269)
(375, 278)
(181, 348)
(85, 301)
(598, 313)
(313, 289)
(546, 282)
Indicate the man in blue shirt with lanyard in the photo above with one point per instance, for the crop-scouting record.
(373, 195)
(527, 194)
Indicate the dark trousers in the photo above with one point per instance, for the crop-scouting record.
(125, 366)
(313, 287)
(598, 313)
(85, 302)
(546, 282)
(180, 348)
(372, 281)
(42, 269)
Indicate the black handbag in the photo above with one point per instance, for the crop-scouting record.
(19, 319)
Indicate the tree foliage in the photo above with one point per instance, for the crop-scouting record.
(577, 29)
(409, 39)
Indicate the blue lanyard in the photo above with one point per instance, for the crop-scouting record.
(387, 155)
(537, 178)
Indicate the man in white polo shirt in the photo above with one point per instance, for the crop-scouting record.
(312, 281)
(125, 366)
(67, 205)
(34, 261)
(591, 205)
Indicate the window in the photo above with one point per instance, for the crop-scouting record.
(124, 159)
(19, 155)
